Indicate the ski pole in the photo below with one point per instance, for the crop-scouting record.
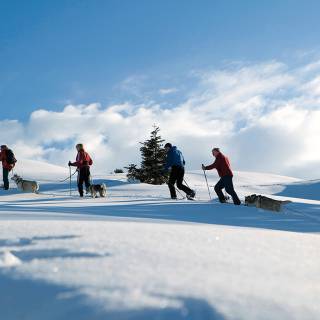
(184, 180)
(183, 197)
(204, 172)
(70, 180)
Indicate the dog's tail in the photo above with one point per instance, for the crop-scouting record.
(36, 190)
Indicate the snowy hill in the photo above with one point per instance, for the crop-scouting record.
(139, 255)
(31, 169)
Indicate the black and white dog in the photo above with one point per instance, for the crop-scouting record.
(94, 189)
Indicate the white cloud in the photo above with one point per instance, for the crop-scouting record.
(165, 91)
(265, 116)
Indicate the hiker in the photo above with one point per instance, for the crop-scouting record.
(8, 162)
(222, 164)
(176, 162)
(83, 163)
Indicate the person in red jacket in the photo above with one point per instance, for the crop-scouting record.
(222, 164)
(8, 162)
(83, 163)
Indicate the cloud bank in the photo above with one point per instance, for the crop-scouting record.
(265, 116)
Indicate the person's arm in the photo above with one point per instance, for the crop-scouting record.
(210, 167)
(77, 163)
(90, 161)
(168, 162)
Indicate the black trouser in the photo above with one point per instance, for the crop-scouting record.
(83, 177)
(176, 175)
(5, 174)
(226, 182)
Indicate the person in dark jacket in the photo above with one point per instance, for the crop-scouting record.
(83, 163)
(8, 162)
(176, 162)
(222, 164)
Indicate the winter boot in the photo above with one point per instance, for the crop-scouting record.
(191, 195)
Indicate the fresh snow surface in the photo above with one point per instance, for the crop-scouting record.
(138, 255)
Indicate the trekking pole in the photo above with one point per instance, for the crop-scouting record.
(183, 197)
(177, 190)
(70, 180)
(184, 180)
(204, 172)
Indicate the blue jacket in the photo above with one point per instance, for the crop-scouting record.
(174, 158)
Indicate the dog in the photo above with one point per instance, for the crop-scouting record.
(94, 189)
(25, 185)
(265, 203)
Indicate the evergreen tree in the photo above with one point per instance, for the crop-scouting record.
(153, 159)
(133, 172)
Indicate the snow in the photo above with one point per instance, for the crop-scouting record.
(139, 255)
(7, 259)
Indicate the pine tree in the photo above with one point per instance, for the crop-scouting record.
(153, 159)
(133, 172)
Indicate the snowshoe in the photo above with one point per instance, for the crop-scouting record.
(191, 195)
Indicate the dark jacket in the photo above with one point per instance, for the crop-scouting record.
(222, 164)
(174, 158)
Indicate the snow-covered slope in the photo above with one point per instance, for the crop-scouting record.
(139, 255)
(31, 169)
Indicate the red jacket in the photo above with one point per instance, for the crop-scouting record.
(83, 160)
(3, 158)
(222, 164)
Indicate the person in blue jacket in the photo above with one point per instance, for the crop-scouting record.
(176, 162)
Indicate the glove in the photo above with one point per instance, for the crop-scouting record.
(69, 163)
(203, 167)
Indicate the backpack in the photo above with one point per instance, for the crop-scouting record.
(11, 159)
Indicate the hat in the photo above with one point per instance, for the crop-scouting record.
(168, 145)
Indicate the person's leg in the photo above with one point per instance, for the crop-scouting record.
(218, 189)
(87, 179)
(172, 181)
(180, 185)
(231, 191)
(5, 173)
(80, 182)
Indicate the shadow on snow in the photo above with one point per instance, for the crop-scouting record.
(297, 217)
(302, 190)
(38, 300)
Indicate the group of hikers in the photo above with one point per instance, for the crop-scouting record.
(174, 161)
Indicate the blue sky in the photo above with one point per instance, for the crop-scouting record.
(241, 75)
(55, 52)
